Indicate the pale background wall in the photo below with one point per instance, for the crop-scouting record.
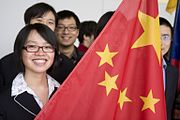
(12, 12)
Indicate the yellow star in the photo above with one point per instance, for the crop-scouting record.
(149, 102)
(106, 56)
(151, 34)
(123, 98)
(109, 83)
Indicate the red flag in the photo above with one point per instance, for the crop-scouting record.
(120, 76)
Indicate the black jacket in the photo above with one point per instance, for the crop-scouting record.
(9, 69)
(171, 88)
(65, 65)
(11, 108)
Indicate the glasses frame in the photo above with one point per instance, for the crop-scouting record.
(27, 48)
(62, 28)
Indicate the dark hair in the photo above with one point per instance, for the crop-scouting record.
(38, 10)
(165, 22)
(87, 28)
(68, 14)
(103, 21)
(43, 30)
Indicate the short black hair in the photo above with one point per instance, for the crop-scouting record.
(43, 30)
(103, 21)
(68, 14)
(87, 28)
(165, 22)
(38, 10)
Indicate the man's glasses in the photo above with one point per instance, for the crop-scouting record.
(62, 28)
(165, 37)
(35, 48)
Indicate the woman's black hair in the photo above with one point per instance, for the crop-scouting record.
(44, 31)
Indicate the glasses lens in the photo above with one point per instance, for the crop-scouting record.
(35, 48)
(32, 48)
(69, 28)
(48, 49)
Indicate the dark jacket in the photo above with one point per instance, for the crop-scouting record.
(65, 66)
(11, 108)
(9, 69)
(171, 88)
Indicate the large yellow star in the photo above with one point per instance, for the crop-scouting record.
(151, 34)
(109, 83)
(123, 98)
(106, 56)
(149, 101)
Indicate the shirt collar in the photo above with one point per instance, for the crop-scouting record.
(164, 64)
(19, 85)
(74, 55)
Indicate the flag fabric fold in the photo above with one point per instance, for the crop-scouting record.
(175, 53)
(171, 6)
(120, 76)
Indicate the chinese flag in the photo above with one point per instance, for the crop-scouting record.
(120, 76)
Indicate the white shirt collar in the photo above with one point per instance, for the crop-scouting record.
(19, 85)
(164, 64)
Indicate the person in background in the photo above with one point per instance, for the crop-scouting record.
(67, 31)
(36, 49)
(170, 73)
(87, 33)
(41, 13)
(37, 13)
(103, 21)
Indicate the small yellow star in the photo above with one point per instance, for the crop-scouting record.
(106, 56)
(151, 34)
(109, 83)
(149, 102)
(123, 98)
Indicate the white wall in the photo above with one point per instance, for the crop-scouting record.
(12, 12)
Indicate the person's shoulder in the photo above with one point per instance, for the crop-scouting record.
(79, 53)
(82, 48)
(5, 91)
(10, 56)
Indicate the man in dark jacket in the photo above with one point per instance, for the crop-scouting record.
(67, 31)
(170, 73)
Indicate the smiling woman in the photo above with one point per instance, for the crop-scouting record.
(37, 53)
(36, 50)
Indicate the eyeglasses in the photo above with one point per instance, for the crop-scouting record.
(35, 48)
(165, 37)
(62, 28)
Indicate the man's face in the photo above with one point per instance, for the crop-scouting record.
(47, 19)
(165, 38)
(66, 32)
